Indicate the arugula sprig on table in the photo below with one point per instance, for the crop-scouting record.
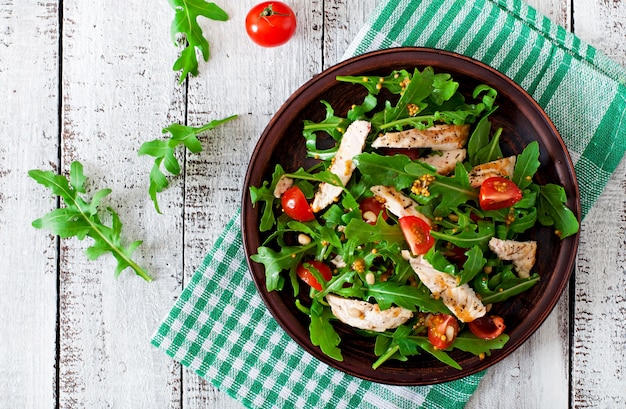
(186, 31)
(164, 152)
(80, 218)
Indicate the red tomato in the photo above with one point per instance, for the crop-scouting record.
(270, 23)
(417, 233)
(371, 209)
(487, 327)
(442, 330)
(497, 192)
(305, 274)
(295, 205)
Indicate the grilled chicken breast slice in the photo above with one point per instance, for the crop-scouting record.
(437, 137)
(445, 161)
(365, 315)
(501, 167)
(461, 300)
(398, 203)
(521, 253)
(351, 144)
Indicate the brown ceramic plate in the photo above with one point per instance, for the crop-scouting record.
(523, 121)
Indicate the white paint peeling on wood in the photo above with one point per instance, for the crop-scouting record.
(28, 120)
(118, 92)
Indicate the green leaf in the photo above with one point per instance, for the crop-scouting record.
(453, 191)
(276, 261)
(468, 342)
(526, 165)
(185, 24)
(322, 333)
(552, 211)
(491, 151)
(502, 285)
(361, 232)
(413, 298)
(80, 218)
(163, 152)
(397, 170)
(468, 237)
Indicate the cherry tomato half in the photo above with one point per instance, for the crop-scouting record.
(271, 23)
(305, 273)
(371, 209)
(296, 206)
(497, 193)
(417, 233)
(442, 330)
(487, 327)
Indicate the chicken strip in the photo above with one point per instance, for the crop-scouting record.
(365, 315)
(445, 161)
(397, 203)
(437, 137)
(351, 145)
(461, 300)
(521, 253)
(500, 167)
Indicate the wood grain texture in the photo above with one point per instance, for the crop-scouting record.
(28, 260)
(116, 91)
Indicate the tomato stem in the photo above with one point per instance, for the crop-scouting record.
(269, 11)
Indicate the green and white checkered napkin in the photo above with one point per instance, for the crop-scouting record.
(220, 328)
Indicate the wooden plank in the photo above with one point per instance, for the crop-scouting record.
(598, 362)
(119, 91)
(29, 122)
(250, 81)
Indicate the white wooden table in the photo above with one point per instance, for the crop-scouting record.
(92, 80)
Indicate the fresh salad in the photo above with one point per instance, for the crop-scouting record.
(412, 225)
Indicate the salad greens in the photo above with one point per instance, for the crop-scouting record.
(80, 218)
(367, 257)
(185, 29)
(164, 152)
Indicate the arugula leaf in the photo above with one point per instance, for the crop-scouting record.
(468, 342)
(185, 28)
(390, 292)
(552, 211)
(333, 125)
(526, 165)
(361, 232)
(163, 151)
(469, 237)
(403, 344)
(321, 331)
(454, 191)
(80, 218)
(394, 82)
(397, 170)
(276, 261)
(473, 265)
(491, 151)
(502, 285)
(265, 193)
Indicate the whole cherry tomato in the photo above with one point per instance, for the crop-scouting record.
(497, 193)
(271, 23)
(442, 330)
(296, 206)
(304, 272)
